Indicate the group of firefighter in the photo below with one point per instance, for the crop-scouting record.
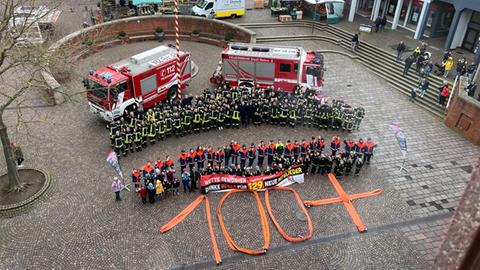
(261, 159)
(226, 107)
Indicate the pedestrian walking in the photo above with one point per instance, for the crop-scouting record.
(444, 92)
(383, 23)
(355, 42)
(400, 50)
(18, 153)
(378, 22)
(117, 186)
(408, 64)
(413, 94)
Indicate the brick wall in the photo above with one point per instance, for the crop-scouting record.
(464, 115)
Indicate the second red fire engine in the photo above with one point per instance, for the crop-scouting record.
(280, 67)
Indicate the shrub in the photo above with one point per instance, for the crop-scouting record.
(159, 30)
(195, 31)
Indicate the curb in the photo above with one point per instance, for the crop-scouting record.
(17, 208)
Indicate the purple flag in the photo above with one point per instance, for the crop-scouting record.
(400, 135)
(112, 159)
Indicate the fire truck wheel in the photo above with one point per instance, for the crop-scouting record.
(172, 93)
(246, 84)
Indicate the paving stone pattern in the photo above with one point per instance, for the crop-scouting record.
(81, 226)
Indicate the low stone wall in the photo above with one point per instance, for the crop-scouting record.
(464, 114)
(93, 39)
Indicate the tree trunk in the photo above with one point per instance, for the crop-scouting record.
(13, 179)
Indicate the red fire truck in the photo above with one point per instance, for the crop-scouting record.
(280, 67)
(143, 79)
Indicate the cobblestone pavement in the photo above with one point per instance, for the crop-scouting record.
(81, 226)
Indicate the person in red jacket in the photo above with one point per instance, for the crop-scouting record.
(359, 147)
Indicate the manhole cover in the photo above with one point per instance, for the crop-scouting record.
(300, 216)
(349, 85)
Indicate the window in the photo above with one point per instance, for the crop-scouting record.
(148, 84)
(285, 67)
(209, 6)
(295, 68)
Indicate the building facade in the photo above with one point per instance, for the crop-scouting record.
(458, 21)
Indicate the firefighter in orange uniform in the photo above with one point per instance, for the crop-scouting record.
(335, 145)
(182, 159)
(368, 148)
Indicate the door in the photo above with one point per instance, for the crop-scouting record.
(471, 37)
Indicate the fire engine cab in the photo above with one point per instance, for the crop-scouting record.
(280, 67)
(143, 79)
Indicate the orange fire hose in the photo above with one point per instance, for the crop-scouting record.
(263, 217)
(185, 212)
(277, 225)
(338, 199)
(346, 199)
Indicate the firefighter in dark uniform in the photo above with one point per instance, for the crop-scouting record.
(119, 146)
(348, 161)
(161, 132)
(214, 117)
(358, 166)
(329, 164)
(283, 115)
(236, 117)
(307, 118)
(348, 118)
(221, 118)
(205, 119)
(128, 140)
(359, 114)
(339, 166)
(137, 139)
(144, 129)
(323, 164)
(113, 128)
(177, 125)
(315, 162)
(168, 124)
(292, 116)
(197, 120)
(152, 131)
(274, 113)
(187, 122)
(228, 116)
(257, 116)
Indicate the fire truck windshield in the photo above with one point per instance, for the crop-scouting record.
(98, 90)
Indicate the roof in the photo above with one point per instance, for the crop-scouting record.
(102, 74)
(146, 60)
(264, 50)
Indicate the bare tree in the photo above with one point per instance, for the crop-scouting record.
(22, 60)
